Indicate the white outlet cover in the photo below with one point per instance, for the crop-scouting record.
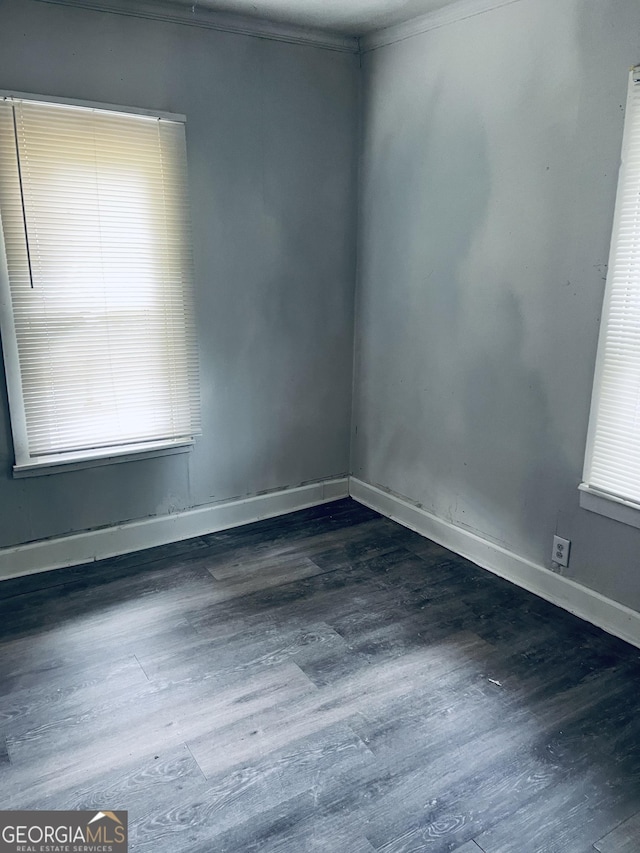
(561, 548)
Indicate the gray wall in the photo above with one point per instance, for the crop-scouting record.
(489, 157)
(271, 132)
(489, 166)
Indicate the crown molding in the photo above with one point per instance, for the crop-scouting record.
(431, 21)
(199, 16)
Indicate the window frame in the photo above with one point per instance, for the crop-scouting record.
(592, 498)
(26, 465)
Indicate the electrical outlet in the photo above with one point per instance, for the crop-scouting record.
(561, 549)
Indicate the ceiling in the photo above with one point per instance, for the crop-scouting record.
(348, 17)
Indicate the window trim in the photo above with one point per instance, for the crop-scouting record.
(89, 459)
(93, 105)
(610, 506)
(26, 465)
(591, 498)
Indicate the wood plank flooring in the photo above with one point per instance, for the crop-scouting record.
(326, 681)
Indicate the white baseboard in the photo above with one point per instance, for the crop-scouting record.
(589, 605)
(92, 545)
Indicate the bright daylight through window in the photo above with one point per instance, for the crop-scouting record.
(95, 298)
(612, 465)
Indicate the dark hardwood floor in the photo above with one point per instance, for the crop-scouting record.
(325, 681)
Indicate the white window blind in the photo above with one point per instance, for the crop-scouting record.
(96, 231)
(612, 465)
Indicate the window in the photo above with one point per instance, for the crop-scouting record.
(95, 302)
(612, 466)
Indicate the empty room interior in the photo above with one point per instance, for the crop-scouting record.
(320, 424)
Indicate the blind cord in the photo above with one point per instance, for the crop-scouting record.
(24, 212)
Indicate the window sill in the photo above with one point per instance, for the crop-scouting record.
(610, 506)
(92, 459)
